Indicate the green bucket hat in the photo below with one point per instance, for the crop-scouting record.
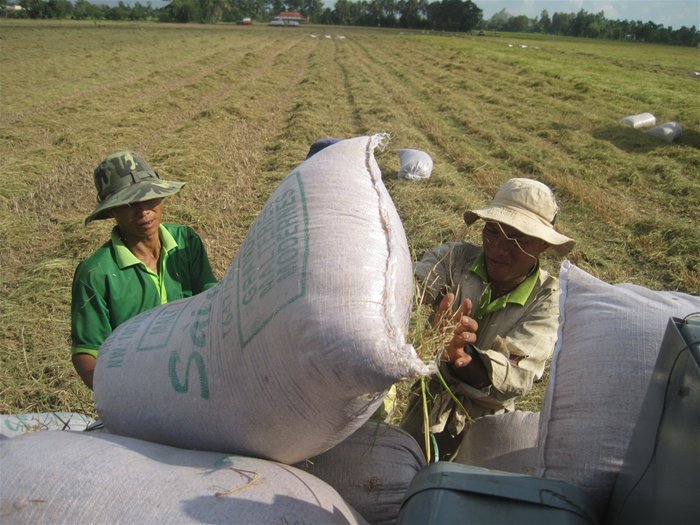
(125, 178)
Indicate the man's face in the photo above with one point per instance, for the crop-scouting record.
(509, 253)
(139, 220)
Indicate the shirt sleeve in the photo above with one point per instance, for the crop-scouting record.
(434, 273)
(201, 272)
(517, 357)
(90, 320)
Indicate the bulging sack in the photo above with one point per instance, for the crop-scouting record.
(415, 164)
(669, 131)
(79, 477)
(293, 350)
(371, 470)
(642, 120)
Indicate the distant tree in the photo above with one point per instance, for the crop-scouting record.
(211, 11)
(499, 20)
(454, 15)
(688, 36)
(59, 9)
(35, 8)
(647, 32)
(118, 12)
(312, 9)
(413, 13)
(141, 12)
(518, 24)
(183, 11)
(342, 12)
(275, 6)
(561, 23)
(544, 24)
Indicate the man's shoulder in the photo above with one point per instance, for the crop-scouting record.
(458, 249)
(180, 232)
(548, 281)
(100, 263)
(104, 255)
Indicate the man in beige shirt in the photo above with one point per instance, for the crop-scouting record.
(503, 306)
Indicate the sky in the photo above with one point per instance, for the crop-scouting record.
(674, 13)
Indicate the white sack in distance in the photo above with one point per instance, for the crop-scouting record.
(668, 131)
(84, 477)
(294, 349)
(642, 120)
(415, 164)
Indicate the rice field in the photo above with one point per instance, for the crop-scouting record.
(232, 109)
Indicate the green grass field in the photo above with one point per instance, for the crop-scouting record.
(232, 109)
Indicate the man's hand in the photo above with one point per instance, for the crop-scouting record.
(464, 334)
(467, 367)
(443, 318)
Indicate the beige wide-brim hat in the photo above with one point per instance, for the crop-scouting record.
(126, 178)
(528, 206)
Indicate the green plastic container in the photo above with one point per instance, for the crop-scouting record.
(445, 493)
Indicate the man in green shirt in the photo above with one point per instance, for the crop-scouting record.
(144, 264)
(503, 308)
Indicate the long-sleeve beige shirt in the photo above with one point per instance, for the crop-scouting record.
(514, 341)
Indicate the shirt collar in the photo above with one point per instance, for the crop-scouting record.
(124, 256)
(520, 294)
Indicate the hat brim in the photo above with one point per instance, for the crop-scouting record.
(139, 192)
(558, 244)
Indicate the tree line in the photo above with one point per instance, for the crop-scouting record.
(439, 15)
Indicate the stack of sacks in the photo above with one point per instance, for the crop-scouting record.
(289, 355)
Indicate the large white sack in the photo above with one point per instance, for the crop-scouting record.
(293, 350)
(15, 424)
(505, 442)
(609, 339)
(81, 477)
(371, 469)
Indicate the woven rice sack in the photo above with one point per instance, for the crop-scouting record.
(502, 442)
(371, 469)
(609, 339)
(15, 424)
(415, 164)
(294, 349)
(81, 477)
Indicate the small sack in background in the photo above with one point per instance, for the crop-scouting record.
(415, 164)
(642, 120)
(668, 131)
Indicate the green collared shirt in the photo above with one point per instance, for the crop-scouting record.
(516, 333)
(519, 295)
(113, 285)
(125, 258)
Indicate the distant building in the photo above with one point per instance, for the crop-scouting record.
(292, 16)
(11, 9)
